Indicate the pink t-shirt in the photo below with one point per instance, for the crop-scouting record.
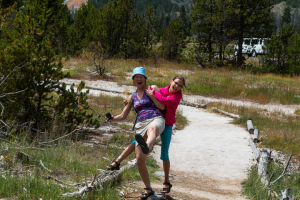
(171, 101)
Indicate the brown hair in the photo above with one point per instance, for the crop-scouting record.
(180, 78)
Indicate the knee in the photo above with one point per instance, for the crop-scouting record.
(152, 129)
(140, 160)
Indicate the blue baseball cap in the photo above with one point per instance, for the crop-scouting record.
(139, 70)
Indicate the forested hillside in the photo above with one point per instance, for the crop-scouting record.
(165, 6)
(293, 3)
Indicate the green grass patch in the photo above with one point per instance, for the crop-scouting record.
(71, 159)
(181, 121)
(254, 189)
(223, 82)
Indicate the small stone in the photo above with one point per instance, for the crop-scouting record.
(122, 194)
(162, 174)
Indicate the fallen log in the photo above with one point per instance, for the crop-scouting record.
(98, 181)
(264, 160)
(254, 149)
(234, 116)
(193, 104)
(255, 136)
(250, 126)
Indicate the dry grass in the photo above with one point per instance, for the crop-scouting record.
(276, 130)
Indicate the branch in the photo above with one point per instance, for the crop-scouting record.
(4, 94)
(15, 69)
(45, 167)
(283, 173)
(60, 137)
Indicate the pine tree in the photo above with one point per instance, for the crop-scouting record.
(30, 41)
(173, 41)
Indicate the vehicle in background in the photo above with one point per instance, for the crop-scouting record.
(246, 47)
(258, 46)
(252, 47)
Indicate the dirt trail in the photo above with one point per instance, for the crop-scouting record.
(210, 157)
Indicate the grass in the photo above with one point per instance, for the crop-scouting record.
(71, 160)
(276, 130)
(225, 82)
(255, 190)
(181, 121)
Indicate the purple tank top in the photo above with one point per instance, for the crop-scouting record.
(145, 108)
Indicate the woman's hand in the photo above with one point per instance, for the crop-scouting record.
(149, 91)
(109, 120)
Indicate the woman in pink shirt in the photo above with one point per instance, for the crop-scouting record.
(170, 96)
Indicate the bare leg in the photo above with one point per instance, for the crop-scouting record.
(152, 133)
(166, 164)
(124, 155)
(141, 162)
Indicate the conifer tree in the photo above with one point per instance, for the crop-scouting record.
(173, 40)
(29, 40)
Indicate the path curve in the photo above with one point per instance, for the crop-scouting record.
(212, 151)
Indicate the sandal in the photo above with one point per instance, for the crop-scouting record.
(112, 167)
(140, 139)
(146, 195)
(166, 190)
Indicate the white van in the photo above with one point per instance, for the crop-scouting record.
(258, 46)
(246, 47)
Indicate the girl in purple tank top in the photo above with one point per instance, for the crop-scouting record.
(150, 124)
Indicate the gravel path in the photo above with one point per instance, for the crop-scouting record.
(212, 151)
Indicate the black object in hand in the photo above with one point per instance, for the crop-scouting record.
(108, 115)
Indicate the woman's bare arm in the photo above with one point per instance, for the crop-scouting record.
(154, 99)
(124, 113)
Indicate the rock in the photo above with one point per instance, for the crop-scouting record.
(162, 174)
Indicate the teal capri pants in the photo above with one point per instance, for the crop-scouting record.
(165, 137)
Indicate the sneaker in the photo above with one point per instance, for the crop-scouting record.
(140, 139)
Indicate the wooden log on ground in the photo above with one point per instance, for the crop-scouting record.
(250, 126)
(254, 149)
(234, 116)
(98, 181)
(193, 104)
(97, 88)
(263, 164)
(255, 136)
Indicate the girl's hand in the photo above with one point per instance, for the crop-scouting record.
(109, 120)
(149, 92)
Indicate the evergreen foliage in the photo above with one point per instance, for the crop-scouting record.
(173, 40)
(30, 38)
(283, 52)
